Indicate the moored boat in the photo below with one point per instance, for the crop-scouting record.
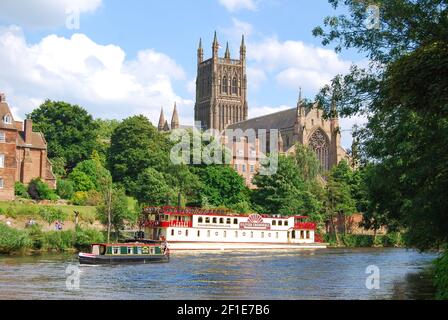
(129, 252)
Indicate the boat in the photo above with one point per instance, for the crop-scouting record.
(208, 229)
(132, 251)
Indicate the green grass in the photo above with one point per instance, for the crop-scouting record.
(27, 209)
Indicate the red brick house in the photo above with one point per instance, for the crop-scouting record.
(23, 153)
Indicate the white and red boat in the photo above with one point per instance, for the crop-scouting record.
(205, 229)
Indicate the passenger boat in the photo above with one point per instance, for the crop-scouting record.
(204, 229)
(137, 251)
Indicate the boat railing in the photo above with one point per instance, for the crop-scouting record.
(305, 226)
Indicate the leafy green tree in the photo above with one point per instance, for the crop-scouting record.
(88, 175)
(222, 186)
(285, 192)
(306, 162)
(135, 146)
(105, 128)
(20, 190)
(69, 130)
(39, 190)
(403, 91)
(151, 187)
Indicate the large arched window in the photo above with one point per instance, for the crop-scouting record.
(234, 86)
(225, 85)
(319, 142)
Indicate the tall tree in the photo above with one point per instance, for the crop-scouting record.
(403, 92)
(69, 130)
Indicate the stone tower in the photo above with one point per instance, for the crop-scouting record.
(221, 88)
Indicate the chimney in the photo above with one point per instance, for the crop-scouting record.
(2, 97)
(28, 130)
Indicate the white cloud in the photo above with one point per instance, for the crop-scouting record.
(237, 29)
(255, 111)
(295, 63)
(78, 70)
(44, 13)
(255, 77)
(236, 5)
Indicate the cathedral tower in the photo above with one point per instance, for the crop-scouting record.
(221, 88)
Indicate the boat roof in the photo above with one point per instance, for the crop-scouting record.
(209, 212)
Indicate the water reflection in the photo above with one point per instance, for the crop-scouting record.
(321, 274)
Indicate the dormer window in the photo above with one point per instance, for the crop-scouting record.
(7, 119)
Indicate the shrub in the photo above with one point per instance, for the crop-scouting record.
(11, 212)
(441, 276)
(12, 240)
(80, 198)
(65, 189)
(36, 236)
(39, 190)
(59, 240)
(21, 190)
(50, 214)
(94, 198)
(85, 237)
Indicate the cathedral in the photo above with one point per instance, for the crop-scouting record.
(221, 104)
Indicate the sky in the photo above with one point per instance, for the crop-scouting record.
(120, 58)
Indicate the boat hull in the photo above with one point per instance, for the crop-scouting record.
(181, 246)
(125, 259)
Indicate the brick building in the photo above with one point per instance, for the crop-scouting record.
(23, 153)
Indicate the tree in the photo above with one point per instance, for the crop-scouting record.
(306, 162)
(88, 175)
(286, 191)
(222, 186)
(151, 187)
(135, 146)
(404, 93)
(69, 130)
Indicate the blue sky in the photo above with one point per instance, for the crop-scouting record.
(135, 56)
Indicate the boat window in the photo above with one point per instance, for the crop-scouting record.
(115, 250)
(262, 234)
(139, 250)
(244, 234)
(96, 250)
(130, 250)
(274, 223)
(308, 234)
(200, 220)
(276, 235)
(251, 234)
(293, 235)
(286, 223)
(215, 220)
(199, 233)
(302, 234)
(102, 250)
(235, 221)
(216, 234)
(236, 234)
(179, 232)
(207, 220)
(225, 233)
(221, 220)
(228, 221)
(172, 232)
(208, 233)
(186, 233)
(280, 222)
(269, 235)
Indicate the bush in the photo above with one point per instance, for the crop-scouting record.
(94, 198)
(39, 190)
(12, 240)
(80, 198)
(65, 189)
(36, 236)
(85, 237)
(20, 190)
(11, 212)
(441, 276)
(50, 214)
(59, 240)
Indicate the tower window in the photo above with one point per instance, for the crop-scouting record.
(234, 86)
(225, 84)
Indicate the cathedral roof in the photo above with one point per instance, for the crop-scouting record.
(279, 120)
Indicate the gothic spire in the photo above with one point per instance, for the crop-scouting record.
(161, 120)
(175, 118)
(242, 49)
(227, 54)
(215, 46)
(200, 51)
(166, 127)
(300, 105)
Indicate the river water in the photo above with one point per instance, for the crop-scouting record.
(320, 274)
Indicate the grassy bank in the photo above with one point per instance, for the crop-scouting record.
(34, 239)
(358, 240)
(27, 209)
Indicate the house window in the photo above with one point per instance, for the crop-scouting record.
(235, 166)
(2, 183)
(244, 168)
(252, 168)
(2, 137)
(7, 119)
(2, 160)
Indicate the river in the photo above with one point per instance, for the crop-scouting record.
(320, 274)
